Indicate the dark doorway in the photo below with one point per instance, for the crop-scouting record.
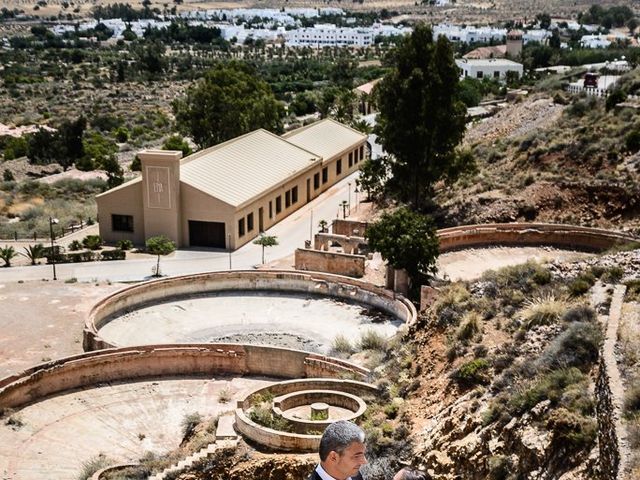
(261, 219)
(308, 190)
(206, 234)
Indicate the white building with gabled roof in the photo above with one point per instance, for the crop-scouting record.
(225, 195)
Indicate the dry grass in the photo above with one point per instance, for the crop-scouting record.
(543, 310)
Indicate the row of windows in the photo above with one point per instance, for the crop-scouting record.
(290, 198)
(356, 156)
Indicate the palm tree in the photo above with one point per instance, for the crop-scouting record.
(34, 252)
(6, 254)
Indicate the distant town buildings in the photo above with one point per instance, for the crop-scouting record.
(290, 26)
(601, 41)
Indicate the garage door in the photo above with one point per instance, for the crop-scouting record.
(206, 234)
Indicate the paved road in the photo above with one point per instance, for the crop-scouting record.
(291, 233)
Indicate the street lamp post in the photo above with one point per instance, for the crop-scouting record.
(52, 222)
(356, 191)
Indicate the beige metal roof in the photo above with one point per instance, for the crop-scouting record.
(242, 168)
(327, 138)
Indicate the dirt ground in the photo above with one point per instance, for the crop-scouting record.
(43, 320)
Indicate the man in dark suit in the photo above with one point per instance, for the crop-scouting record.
(342, 453)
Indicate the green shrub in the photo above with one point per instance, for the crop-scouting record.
(472, 373)
(633, 290)
(319, 415)
(263, 415)
(113, 255)
(523, 278)
(500, 467)
(632, 140)
(342, 346)
(372, 340)
(124, 245)
(578, 288)
(92, 242)
(75, 245)
(92, 465)
(391, 410)
(469, 328)
(571, 431)
(612, 275)
(580, 313)
(78, 257)
(550, 387)
(189, 423)
(632, 399)
(578, 346)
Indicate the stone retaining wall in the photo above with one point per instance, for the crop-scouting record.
(332, 262)
(152, 361)
(158, 291)
(348, 227)
(582, 238)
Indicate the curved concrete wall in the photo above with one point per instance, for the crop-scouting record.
(583, 238)
(151, 361)
(355, 404)
(157, 291)
(292, 441)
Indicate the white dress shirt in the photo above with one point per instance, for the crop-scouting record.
(324, 475)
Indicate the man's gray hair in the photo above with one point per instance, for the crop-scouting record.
(338, 436)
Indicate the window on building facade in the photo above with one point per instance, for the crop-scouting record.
(496, 74)
(339, 167)
(278, 204)
(287, 199)
(316, 181)
(241, 227)
(362, 152)
(479, 74)
(122, 223)
(325, 175)
(250, 222)
(294, 195)
(350, 159)
(270, 209)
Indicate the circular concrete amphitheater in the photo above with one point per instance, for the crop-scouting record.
(128, 401)
(282, 308)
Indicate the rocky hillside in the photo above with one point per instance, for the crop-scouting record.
(508, 367)
(552, 158)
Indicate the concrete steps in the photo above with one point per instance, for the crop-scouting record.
(226, 438)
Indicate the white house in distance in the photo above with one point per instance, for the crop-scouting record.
(488, 68)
